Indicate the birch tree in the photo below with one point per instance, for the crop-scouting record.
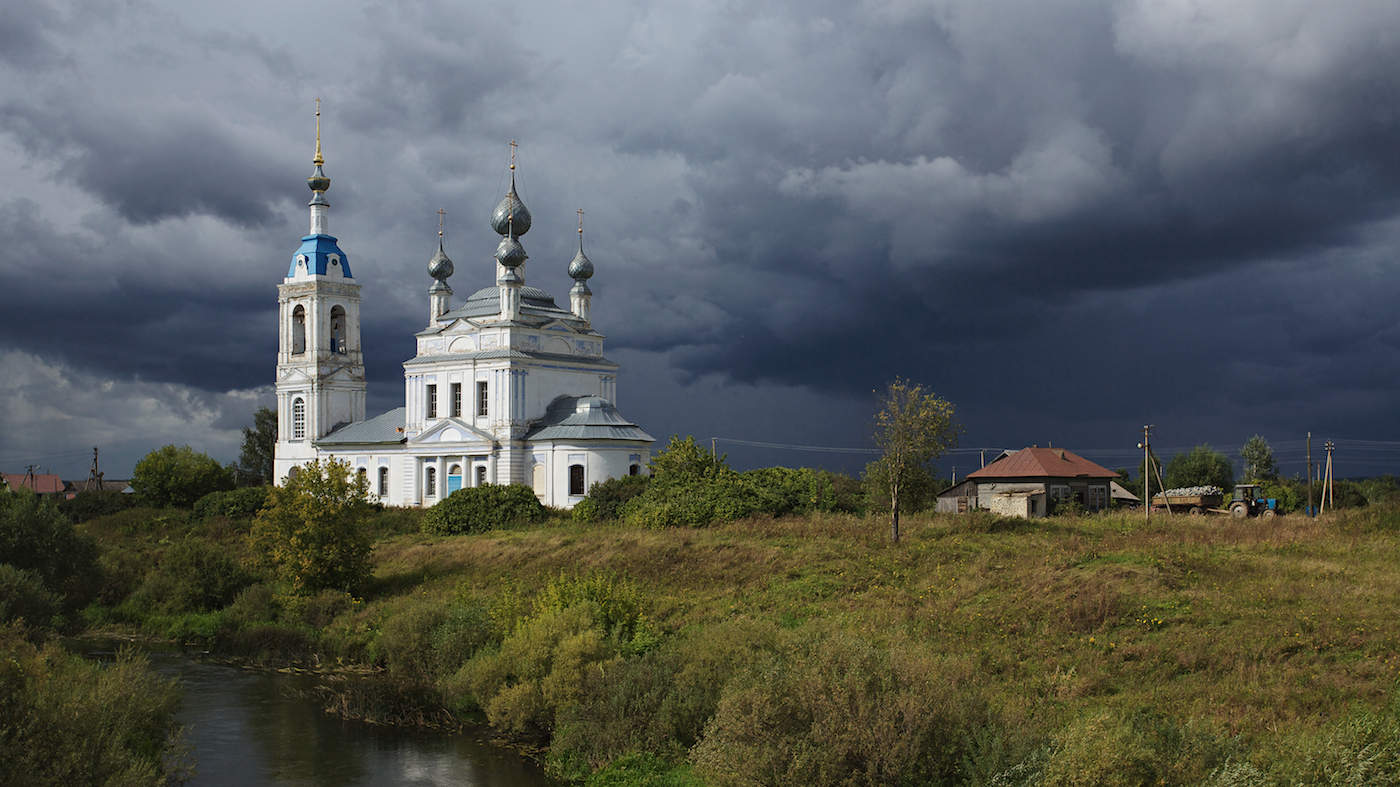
(913, 426)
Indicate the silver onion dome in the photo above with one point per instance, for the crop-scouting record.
(440, 266)
(510, 253)
(511, 216)
(318, 182)
(580, 268)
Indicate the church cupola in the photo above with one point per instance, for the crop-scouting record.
(510, 219)
(580, 270)
(440, 268)
(319, 254)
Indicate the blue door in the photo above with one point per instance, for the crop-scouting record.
(454, 479)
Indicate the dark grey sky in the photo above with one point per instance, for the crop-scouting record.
(1069, 218)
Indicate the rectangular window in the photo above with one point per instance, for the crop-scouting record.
(432, 401)
(456, 400)
(481, 401)
(576, 486)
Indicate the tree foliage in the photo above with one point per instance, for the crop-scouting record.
(35, 536)
(259, 441)
(312, 531)
(177, 476)
(1201, 466)
(913, 426)
(1258, 456)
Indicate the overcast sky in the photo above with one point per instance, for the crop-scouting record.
(1068, 218)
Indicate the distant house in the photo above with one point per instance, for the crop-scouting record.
(39, 483)
(1028, 482)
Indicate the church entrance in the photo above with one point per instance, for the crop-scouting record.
(454, 478)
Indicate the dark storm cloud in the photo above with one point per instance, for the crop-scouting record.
(1062, 214)
(152, 167)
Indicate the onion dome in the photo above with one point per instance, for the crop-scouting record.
(318, 182)
(511, 217)
(581, 268)
(510, 253)
(440, 266)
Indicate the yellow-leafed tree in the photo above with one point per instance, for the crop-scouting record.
(913, 426)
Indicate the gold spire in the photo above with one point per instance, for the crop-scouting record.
(318, 160)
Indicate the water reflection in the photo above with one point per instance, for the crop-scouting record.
(252, 728)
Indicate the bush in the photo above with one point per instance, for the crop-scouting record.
(69, 721)
(838, 709)
(482, 508)
(800, 490)
(24, 597)
(243, 503)
(311, 532)
(606, 498)
(34, 536)
(192, 575)
(88, 505)
(177, 476)
(1140, 747)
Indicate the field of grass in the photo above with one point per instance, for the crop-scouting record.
(1096, 649)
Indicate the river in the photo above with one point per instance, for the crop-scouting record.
(248, 727)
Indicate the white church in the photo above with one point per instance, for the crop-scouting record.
(506, 387)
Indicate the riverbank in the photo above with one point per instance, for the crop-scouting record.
(787, 650)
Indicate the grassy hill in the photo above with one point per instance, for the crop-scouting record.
(812, 650)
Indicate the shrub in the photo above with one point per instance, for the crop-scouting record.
(464, 630)
(837, 709)
(797, 490)
(193, 575)
(404, 643)
(616, 603)
(606, 498)
(177, 476)
(482, 508)
(34, 536)
(1139, 747)
(311, 533)
(69, 721)
(88, 505)
(242, 503)
(24, 597)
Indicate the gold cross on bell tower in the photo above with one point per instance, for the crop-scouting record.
(318, 159)
(442, 217)
(512, 155)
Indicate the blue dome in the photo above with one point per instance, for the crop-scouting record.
(318, 250)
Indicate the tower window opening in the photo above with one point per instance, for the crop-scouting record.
(338, 330)
(481, 398)
(576, 480)
(481, 475)
(634, 469)
(298, 419)
(298, 330)
(432, 401)
(383, 482)
(456, 400)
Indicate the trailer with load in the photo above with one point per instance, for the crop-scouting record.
(1244, 502)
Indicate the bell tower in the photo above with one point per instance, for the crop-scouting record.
(320, 366)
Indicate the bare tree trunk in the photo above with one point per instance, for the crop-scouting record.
(894, 511)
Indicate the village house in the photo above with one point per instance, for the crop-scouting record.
(1027, 483)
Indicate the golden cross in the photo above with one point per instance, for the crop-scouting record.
(580, 221)
(442, 216)
(318, 159)
(512, 155)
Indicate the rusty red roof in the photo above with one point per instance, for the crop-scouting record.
(1043, 463)
(43, 483)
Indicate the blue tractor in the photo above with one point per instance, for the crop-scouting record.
(1247, 502)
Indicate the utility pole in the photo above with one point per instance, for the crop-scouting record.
(984, 457)
(714, 453)
(1145, 445)
(1327, 489)
(94, 476)
(1310, 508)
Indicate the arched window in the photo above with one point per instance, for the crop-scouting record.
(634, 469)
(383, 482)
(430, 482)
(576, 480)
(364, 477)
(337, 329)
(481, 475)
(298, 330)
(293, 472)
(298, 419)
